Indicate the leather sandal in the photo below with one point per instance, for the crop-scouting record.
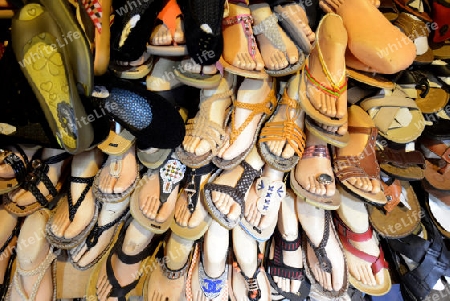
(437, 156)
(406, 166)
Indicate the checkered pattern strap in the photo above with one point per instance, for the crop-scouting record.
(94, 10)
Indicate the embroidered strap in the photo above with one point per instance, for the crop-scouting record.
(246, 21)
(95, 12)
(169, 175)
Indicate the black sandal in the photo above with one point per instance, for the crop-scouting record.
(276, 267)
(19, 166)
(37, 172)
(6, 278)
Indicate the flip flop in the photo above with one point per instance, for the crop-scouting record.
(48, 67)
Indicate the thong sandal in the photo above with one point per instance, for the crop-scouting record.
(286, 130)
(168, 16)
(19, 166)
(270, 29)
(277, 268)
(265, 108)
(67, 204)
(168, 177)
(347, 235)
(237, 193)
(321, 201)
(190, 196)
(245, 21)
(37, 173)
(363, 165)
(323, 259)
(201, 126)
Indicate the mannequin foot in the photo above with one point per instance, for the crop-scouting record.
(191, 66)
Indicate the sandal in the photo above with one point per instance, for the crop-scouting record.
(321, 201)
(168, 16)
(347, 235)
(202, 127)
(286, 130)
(436, 166)
(67, 204)
(400, 164)
(277, 268)
(190, 197)
(9, 247)
(38, 172)
(237, 193)
(199, 16)
(265, 109)
(19, 166)
(365, 164)
(168, 179)
(431, 258)
(93, 237)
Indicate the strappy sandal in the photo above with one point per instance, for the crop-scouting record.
(9, 247)
(287, 131)
(347, 235)
(92, 238)
(270, 29)
(237, 193)
(19, 166)
(38, 172)
(264, 108)
(203, 127)
(245, 21)
(117, 290)
(323, 260)
(211, 288)
(364, 165)
(251, 283)
(168, 16)
(321, 201)
(277, 268)
(191, 195)
(336, 89)
(168, 177)
(437, 165)
(67, 204)
(16, 284)
(431, 256)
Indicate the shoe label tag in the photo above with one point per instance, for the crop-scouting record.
(7, 129)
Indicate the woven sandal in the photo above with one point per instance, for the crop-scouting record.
(16, 284)
(277, 268)
(264, 108)
(38, 172)
(347, 235)
(94, 235)
(19, 166)
(67, 204)
(287, 131)
(321, 201)
(323, 259)
(237, 193)
(245, 21)
(270, 29)
(201, 126)
(365, 164)
(190, 197)
(168, 16)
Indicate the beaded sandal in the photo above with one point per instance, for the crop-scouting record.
(67, 204)
(237, 193)
(49, 262)
(270, 29)
(246, 21)
(286, 130)
(336, 90)
(264, 109)
(204, 128)
(38, 172)
(321, 201)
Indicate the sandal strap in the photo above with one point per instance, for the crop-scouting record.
(169, 15)
(19, 166)
(316, 151)
(266, 107)
(331, 91)
(246, 22)
(286, 130)
(14, 233)
(95, 12)
(400, 158)
(82, 180)
(193, 183)
(321, 253)
(285, 245)
(348, 233)
(170, 174)
(211, 287)
(40, 271)
(251, 283)
(393, 192)
(168, 273)
(269, 27)
(411, 27)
